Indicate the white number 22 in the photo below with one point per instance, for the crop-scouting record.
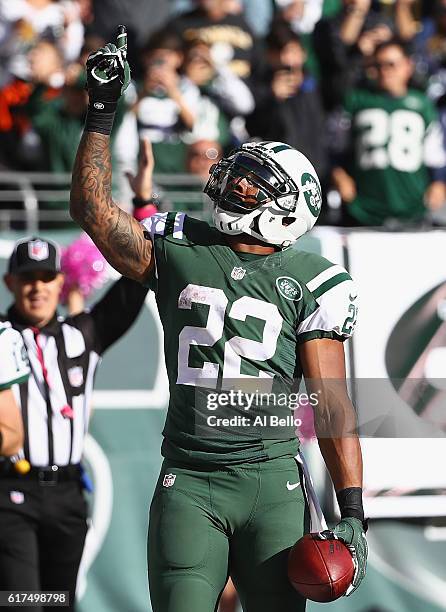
(235, 348)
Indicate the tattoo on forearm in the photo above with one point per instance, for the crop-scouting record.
(118, 236)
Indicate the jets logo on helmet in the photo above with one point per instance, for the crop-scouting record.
(312, 193)
(281, 195)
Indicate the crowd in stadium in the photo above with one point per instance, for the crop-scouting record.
(359, 86)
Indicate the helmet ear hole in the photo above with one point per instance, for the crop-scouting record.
(288, 220)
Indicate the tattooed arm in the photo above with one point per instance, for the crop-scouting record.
(118, 236)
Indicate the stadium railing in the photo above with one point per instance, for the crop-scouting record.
(29, 200)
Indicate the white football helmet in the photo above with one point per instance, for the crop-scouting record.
(287, 199)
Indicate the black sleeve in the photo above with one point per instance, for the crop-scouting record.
(114, 314)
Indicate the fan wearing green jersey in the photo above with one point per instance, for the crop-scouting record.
(14, 369)
(241, 308)
(396, 164)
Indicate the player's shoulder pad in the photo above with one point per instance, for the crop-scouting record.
(179, 228)
(335, 298)
(312, 267)
(321, 275)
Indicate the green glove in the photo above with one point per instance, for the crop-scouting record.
(351, 532)
(108, 74)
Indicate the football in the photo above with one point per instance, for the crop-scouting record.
(320, 568)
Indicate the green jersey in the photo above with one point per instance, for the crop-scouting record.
(393, 140)
(229, 319)
(14, 366)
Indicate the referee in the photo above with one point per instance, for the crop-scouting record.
(43, 513)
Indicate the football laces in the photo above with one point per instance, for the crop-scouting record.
(327, 534)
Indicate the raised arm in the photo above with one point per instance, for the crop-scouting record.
(117, 235)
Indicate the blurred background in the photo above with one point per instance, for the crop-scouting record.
(359, 86)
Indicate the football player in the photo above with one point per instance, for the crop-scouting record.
(241, 307)
(14, 369)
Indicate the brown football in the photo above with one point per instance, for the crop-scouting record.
(320, 569)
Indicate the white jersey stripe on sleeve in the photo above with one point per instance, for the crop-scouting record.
(324, 276)
(335, 312)
(156, 224)
(178, 226)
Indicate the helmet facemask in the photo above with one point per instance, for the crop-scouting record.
(262, 189)
(272, 185)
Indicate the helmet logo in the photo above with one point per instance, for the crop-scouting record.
(312, 193)
(289, 288)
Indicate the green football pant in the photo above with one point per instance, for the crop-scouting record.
(242, 521)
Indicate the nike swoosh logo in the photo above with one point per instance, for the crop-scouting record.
(291, 487)
(352, 298)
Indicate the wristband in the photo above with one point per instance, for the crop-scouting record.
(142, 212)
(350, 503)
(100, 117)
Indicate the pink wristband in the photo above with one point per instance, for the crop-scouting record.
(144, 211)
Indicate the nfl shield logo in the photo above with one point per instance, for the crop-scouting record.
(17, 497)
(169, 479)
(238, 273)
(38, 250)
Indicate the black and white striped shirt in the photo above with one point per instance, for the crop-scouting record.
(63, 357)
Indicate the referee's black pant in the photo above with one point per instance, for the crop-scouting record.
(42, 535)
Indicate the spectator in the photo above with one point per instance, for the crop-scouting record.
(224, 96)
(430, 47)
(24, 22)
(41, 118)
(345, 44)
(405, 22)
(430, 58)
(228, 33)
(201, 156)
(58, 124)
(394, 138)
(258, 13)
(20, 99)
(288, 105)
(75, 69)
(142, 18)
(165, 110)
(301, 16)
(147, 200)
